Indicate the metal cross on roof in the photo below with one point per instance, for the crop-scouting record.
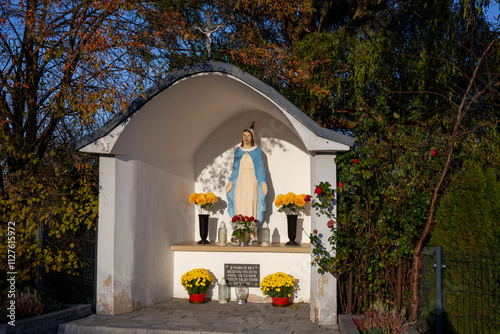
(208, 28)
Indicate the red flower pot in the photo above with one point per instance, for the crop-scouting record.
(281, 301)
(197, 298)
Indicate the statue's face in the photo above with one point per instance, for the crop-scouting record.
(247, 138)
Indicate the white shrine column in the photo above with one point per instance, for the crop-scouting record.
(323, 301)
(106, 236)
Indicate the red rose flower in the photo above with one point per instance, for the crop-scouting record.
(307, 198)
(318, 191)
(433, 153)
(330, 223)
(315, 231)
(340, 184)
(356, 160)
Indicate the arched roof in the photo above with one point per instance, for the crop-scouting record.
(200, 98)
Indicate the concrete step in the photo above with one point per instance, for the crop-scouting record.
(179, 316)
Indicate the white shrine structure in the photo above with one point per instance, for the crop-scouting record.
(178, 138)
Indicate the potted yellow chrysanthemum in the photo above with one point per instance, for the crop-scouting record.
(196, 282)
(279, 286)
(291, 204)
(205, 202)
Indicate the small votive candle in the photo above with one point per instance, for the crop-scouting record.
(222, 234)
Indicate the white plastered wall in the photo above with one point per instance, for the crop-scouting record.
(296, 264)
(138, 221)
(323, 300)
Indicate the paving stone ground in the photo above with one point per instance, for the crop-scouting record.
(178, 316)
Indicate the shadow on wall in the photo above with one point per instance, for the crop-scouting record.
(214, 158)
(446, 325)
(270, 189)
(275, 237)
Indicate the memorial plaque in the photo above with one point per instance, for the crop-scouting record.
(248, 274)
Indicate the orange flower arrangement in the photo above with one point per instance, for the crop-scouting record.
(291, 202)
(205, 201)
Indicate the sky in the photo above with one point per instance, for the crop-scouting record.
(492, 13)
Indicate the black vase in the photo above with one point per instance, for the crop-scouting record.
(203, 221)
(292, 230)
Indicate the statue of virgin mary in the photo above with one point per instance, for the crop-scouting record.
(247, 188)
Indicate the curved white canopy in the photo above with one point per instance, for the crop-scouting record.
(191, 103)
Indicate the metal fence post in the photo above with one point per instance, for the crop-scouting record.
(439, 289)
(349, 293)
(399, 289)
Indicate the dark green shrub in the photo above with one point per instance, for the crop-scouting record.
(467, 219)
(468, 229)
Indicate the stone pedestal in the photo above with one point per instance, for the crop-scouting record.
(295, 261)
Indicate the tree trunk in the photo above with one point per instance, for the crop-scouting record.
(466, 104)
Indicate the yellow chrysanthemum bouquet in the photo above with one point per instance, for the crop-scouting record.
(197, 281)
(278, 285)
(204, 201)
(291, 202)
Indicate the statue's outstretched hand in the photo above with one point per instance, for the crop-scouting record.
(264, 188)
(229, 186)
